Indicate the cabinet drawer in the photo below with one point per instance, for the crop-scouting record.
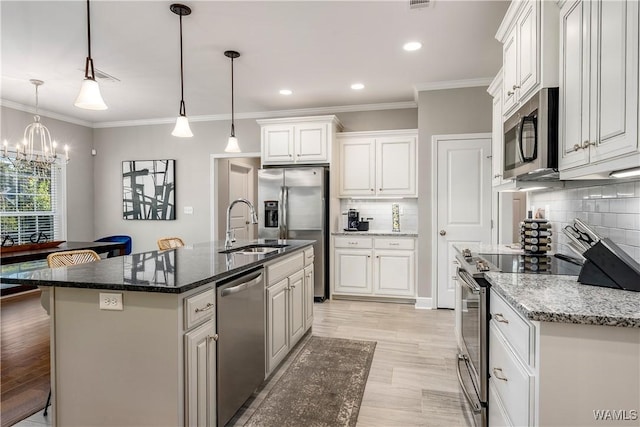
(407, 244)
(512, 381)
(354, 242)
(308, 256)
(517, 330)
(281, 269)
(199, 307)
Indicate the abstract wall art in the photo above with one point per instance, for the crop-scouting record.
(148, 189)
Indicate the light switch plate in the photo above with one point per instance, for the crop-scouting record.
(188, 210)
(111, 301)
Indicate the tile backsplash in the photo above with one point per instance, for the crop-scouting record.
(380, 211)
(613, 210)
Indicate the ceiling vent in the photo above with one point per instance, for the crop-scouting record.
(101, 75)
(417, 4)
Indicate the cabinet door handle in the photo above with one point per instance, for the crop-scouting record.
(394, 244)
(497, 372)
(516, 87)
(293, 286)
(372, 189)
(213, 337)
(577, 147)
(498, 175)
(586, 144)
(207, 307)
(379, 189)
(500, 318)
(509, 93)
(298, 155)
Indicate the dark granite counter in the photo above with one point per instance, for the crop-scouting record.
(171, 271)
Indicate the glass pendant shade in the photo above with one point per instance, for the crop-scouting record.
(232, 145)
(89, 97)
(182, 128)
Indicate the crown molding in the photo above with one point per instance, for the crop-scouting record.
(218, 117)
(266, 114)
(451, 84)
(45, 113)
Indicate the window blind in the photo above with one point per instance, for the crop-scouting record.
(31, 202)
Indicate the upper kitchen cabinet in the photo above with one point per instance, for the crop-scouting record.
(300, 140)
(529, 37)
(497, 133)
(378, 164)
(598, 88)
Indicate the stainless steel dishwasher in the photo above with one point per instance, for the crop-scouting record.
(241, 336)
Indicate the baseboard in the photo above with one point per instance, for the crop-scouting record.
(424, 303)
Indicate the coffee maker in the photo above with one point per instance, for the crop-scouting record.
(352, 220)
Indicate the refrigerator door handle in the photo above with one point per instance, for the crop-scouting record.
(285, 213)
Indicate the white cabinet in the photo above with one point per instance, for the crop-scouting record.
(598, 87)
(374, 266)
(277, 323)
(308, 297)
(289, 300)
(381, 163)
(301, 140)
(296, 307)
(497, 133)
(529, 37)
(200, 377)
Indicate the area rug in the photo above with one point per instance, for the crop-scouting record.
(323, 386)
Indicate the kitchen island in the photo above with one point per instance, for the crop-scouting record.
(133, 338)
(562, 353)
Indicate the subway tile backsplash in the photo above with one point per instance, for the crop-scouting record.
(613, 210)
(380, 211)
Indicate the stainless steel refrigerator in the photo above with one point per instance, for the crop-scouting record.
(293, 204)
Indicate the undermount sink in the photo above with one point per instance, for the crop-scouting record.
(256, 249)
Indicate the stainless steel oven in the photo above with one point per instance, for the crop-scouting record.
(473, 360)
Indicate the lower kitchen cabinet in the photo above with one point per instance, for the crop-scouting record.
(308, 296)
(200, 375)
(374, 266)
(554, 373)
(289, 300)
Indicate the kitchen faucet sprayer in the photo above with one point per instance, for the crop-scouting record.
(229, 239)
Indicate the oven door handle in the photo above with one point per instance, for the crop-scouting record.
(475, 406)
(468, 281)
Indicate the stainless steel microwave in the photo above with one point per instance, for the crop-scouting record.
(531, 137)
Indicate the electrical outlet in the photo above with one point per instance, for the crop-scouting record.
(111, 301)
(188, 210)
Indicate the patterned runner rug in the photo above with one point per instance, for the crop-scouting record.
(323, 386)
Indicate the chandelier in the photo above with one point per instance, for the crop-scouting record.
(37, 150)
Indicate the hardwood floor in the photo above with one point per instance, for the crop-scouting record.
(24, 356)
(412, 381)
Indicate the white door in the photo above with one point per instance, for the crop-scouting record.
(241, 186)
(394, 273)
(277, 144)
(200, 380)
(311, 143)
(308, 297)
(296, 307)
(463, 199)
(509, 68)
(353, 271)
(527, 49)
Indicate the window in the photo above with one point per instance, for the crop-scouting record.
(31, 202)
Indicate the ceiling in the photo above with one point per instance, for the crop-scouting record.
(315, 48)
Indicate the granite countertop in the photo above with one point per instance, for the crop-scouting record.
(555, 298)
(170, 271)
(381, 233)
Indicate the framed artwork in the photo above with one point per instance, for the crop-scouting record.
(148, 189)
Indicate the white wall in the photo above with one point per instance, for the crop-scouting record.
(612, 208)
(440, 112)
(79, 170)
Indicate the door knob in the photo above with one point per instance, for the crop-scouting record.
(442, 232)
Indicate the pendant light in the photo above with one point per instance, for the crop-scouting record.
(232, 143)
(89, 97)
(182, 128)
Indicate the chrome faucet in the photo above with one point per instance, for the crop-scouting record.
(229, 238)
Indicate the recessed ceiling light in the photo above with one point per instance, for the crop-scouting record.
(357, 86)
(411, 46)
(286, 91)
